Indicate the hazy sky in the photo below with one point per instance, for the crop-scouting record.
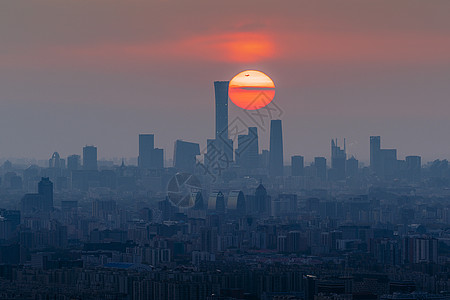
(102, 71)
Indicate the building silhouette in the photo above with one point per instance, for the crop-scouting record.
(41, 201)
(146, 146)
(413, 167)
(338, 160)
(221, 147)
(297, 165)
(45, 189)
(262, 200)
(221, 95)
(56, 162)
(383, 162)
(247, 152)
(320, 166)
(276, 149)
(90, 158)
(184, 155)
(73, 162)
(351, 167)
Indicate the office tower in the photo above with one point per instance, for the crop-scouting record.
(184, 155)
(73, 162)
(216, 202)
(146, 146)
(218, 152)
(413, 167)
(376, 164)
(90, 158)
(351, 167)
(276, 149)
(236, 202)
(45, 189)
(247, 152)
(221, 94)
(383, 162)
(157, 159)
(389, 163)
(320, 165)
(262, 200)
(338, 159)
(297, 164)
(264, 159)
(40, 202)
(375, 157)
(55, 161)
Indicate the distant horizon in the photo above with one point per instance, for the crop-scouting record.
(342, 70)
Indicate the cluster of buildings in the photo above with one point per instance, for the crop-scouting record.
(229, 222)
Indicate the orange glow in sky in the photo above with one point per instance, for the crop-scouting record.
(251, 90)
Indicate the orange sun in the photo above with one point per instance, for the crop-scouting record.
(251, 90)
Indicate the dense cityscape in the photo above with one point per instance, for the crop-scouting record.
(231, 221)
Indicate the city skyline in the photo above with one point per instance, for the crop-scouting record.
(224, 150)
(381, 65)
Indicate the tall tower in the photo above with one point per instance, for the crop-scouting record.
(375, 154)
(45, 189)
(221, 94)
(338, 159)
(297, 165)
(146, 146)
(276, 149)
(90, 158)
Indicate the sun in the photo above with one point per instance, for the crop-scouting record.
(251, 90)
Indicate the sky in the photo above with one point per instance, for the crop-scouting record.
(100, 72)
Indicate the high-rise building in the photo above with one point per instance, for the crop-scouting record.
(413, 167)
(146, 146)
(90, 158)
(45, 189)
(56, 162)
(40, 202)
(221, 94)
(262, 200)
(297, 165)
(351, 167)
(320, 165)
(73, 162)
(276, 149)
(184, 155)
(375, 146)
(247, 152)
(157, 159)
(338, 159)
(383, 162)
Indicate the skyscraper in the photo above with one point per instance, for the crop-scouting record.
(351, 167)
(276, 149)
(375, 157)
(221, 94)
(146, 146)
(413, 167)
(157, 159)
(247, 152)
(320, 164)
(221, 146)
(184, 155)
(297, 164)
(45, 189)
(55, 161)
(90, 158)
(73, 162)
(338, 159)
(383, 162)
